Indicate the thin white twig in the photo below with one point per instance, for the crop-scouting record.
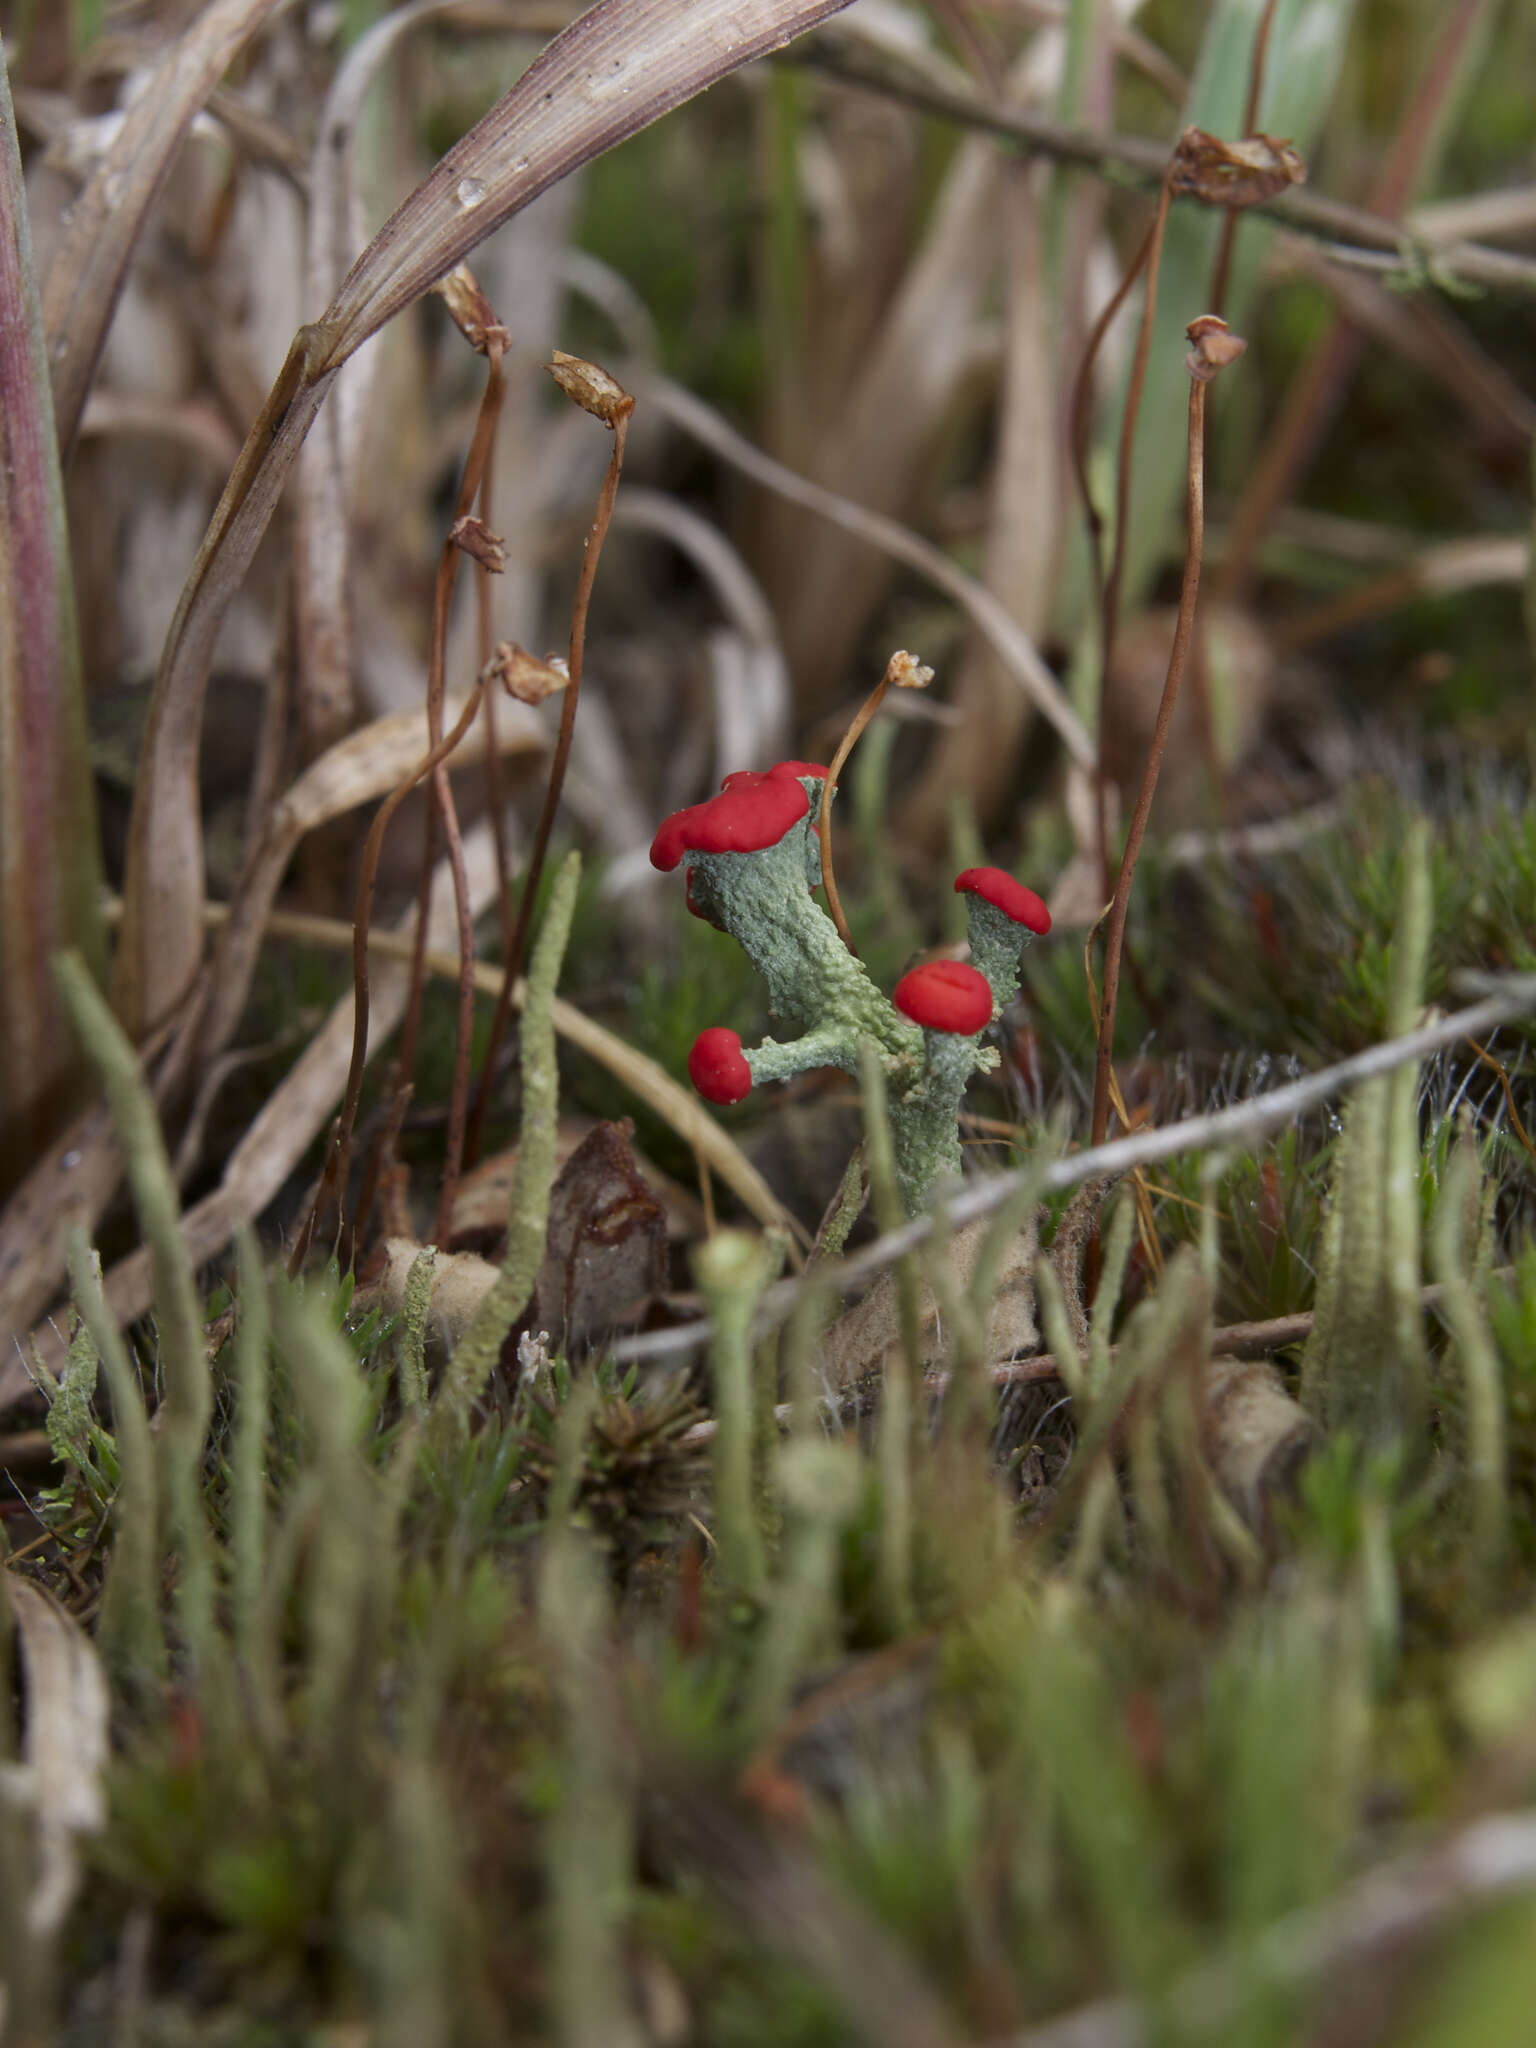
(1514, 996)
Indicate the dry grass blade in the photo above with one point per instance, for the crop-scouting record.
(68, 1188)
(91, 260)
(48, 864)
(297, 1109)
(364, 766)
(611, 72)
(327, 465)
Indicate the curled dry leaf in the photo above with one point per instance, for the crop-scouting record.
(64, 1750)
(364, 766)
(606, 1253)
(1234, 173)
(460, 1282)
(49, 870)
(1256, 1437)
(590, 387)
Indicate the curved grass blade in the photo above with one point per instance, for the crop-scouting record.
(614, 70)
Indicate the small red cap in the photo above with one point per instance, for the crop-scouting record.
(717, 1067)
(751, 812)
(1006, 895)
(945, 995)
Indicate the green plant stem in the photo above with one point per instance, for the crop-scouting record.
(733, 1268)
(187, 1400)
(589, 1837)
(1487, 1453)
(248, 1461)
(480, 1346)
(130, 1631)
(893, 1447)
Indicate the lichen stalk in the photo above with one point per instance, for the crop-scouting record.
(814, 983)
(534, 1174)
(733, 1268)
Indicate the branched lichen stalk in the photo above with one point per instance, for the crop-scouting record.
(815, 984)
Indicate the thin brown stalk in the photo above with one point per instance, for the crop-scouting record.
(1106, 580)
(906, 674)
(335, 1165)
(485, 631)
(1212, 345)
(518, 944)
(1221, 273)
(443, 814)
(1221, 270)
(1082, 396)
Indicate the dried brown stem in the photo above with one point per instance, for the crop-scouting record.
(1221, 270)
(1202, 369)
(443, 815)
(861, 718)
(335, 1165)
(518, 944)
(485, 640)
(1106, 581)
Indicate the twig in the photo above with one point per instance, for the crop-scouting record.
(1228, 1340)
(1378, 244)
(614, 407)
(1214, 347)
(1243, 1123)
